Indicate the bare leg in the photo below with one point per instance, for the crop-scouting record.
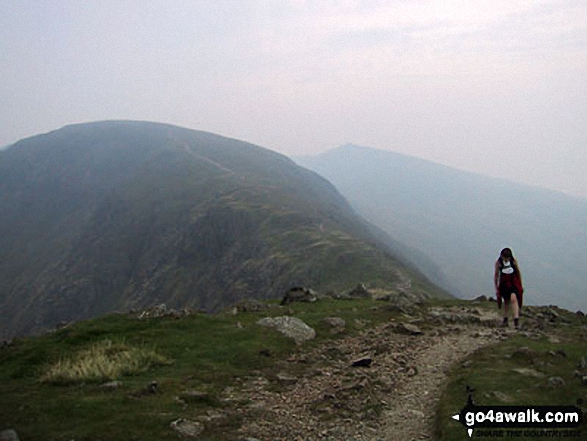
(506, 313)
(515, 308)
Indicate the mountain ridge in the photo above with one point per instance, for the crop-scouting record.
(460, 220)
(126, 214)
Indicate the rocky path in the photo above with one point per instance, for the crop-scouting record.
(381, 385)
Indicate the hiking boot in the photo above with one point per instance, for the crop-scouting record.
(517, 323)
(504, 324)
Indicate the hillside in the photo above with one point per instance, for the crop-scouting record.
(373, 371)
(460, 221)
(123, 215)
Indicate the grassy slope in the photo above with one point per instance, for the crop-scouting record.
(211, 352)
(490, 372)
(207, 352)
(122, 215)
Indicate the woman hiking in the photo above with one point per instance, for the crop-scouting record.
(508, 286)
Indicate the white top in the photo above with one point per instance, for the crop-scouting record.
(507, 267)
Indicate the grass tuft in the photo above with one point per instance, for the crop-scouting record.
(105, 360)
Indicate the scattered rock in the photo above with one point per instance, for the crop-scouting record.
(286, 379)
(556, 382)
(152, 388)
(161, 310)
(9, 435)
(111, 385)
(186, 428)
(362, 362)
(584, 380)
(299, 294)
(408, 329)
(334, 322)
(553, 314)
(504, 398)
(529, 372)
(360, 292)
(250, 305)
(291, 327)
(412, 371)
(582, 363)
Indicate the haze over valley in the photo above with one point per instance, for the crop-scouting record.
(461, 221)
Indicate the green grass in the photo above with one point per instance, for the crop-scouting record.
(204, 353)
(490, 372)
(207, 353)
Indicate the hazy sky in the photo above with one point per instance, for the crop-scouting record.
(493, 86)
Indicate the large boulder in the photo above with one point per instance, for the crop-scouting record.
(291, 327)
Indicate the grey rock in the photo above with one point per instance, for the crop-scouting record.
(111, 385)
(584, 380)
(556, 382)
(299, 294)
(582, 363)
(504, 398)
(250, 305)
(408, 329)
(334, 322)
(9, 435)
(412, 371)
(160, 311)
(360, 292)
(291, 327)
(529, 372)
(186, 428)
(286, 379)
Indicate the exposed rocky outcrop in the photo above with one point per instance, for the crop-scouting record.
(299, 294)
(291, 327)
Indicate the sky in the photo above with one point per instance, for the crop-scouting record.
(497, 87)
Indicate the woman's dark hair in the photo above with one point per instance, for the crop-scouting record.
(506, 252)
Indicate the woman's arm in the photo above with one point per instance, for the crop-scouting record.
(496, 276)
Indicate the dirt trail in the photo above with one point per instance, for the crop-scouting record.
(391, 394)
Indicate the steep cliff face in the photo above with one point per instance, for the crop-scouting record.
(118, 215)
